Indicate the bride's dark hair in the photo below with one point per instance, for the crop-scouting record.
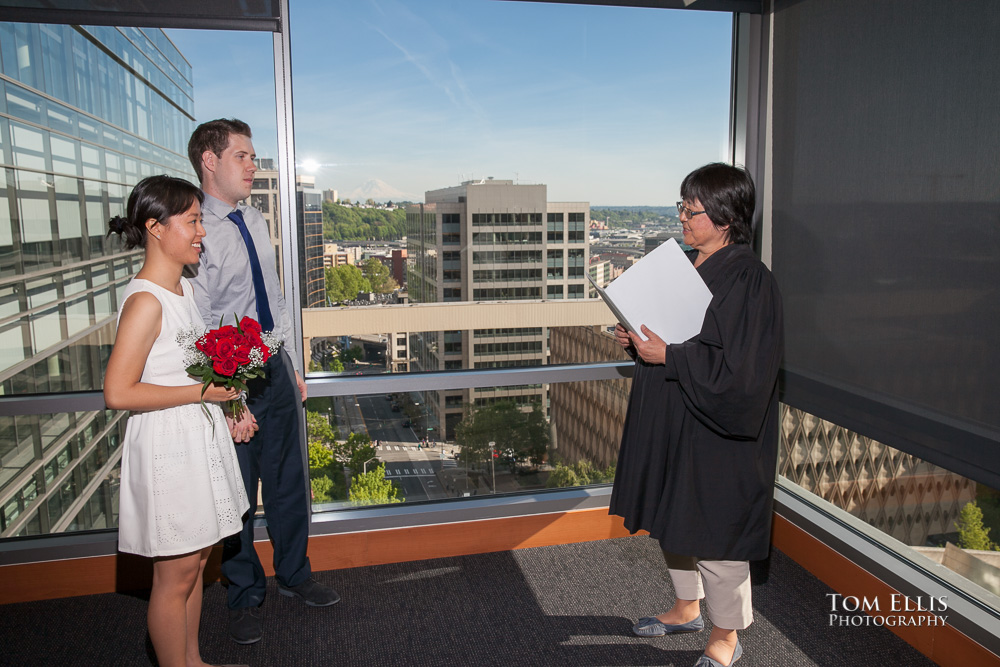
(156, 197)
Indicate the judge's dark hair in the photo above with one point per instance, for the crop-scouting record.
(156, 197)
(727, 195)
(213, 136)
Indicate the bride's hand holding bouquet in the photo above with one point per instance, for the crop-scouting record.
(227, 357)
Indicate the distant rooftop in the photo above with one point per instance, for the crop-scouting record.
(489, 180)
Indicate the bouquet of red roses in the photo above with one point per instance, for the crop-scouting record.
(229, 356)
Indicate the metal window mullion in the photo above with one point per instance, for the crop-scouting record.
(286, 198)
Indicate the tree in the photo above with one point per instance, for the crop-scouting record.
(344, 282)
(972, 534)
(355, 451)
(562, 476)
(524, 432)
(580, 473)
(346, 223)
(322, 489)
(372, 488)
(326, 476)
(633, 216)
(351, 354)
(377, 275)
(320, 456)
(318, 429)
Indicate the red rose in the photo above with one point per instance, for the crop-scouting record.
(265, 354)
(241, 356)
(239, 340)
(226, 367)
(206, 345)
(224, 349)
(249, 324)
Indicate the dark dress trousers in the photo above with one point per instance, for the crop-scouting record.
(274, 457)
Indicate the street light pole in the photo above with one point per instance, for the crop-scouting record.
(493, 472)
(364, 466)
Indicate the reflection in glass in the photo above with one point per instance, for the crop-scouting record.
(921, 505)
(78, 129)
(48, 461)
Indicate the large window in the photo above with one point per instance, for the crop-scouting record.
(435, 185)
(426, 174)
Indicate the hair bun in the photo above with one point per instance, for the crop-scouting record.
(117, 224)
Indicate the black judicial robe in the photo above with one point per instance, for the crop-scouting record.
(699, 447)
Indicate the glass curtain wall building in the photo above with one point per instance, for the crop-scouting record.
(85, 113)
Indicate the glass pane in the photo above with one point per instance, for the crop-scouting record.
(434, 445)
(921, 505)
(48, 460)
(427, 197)
(74, 153)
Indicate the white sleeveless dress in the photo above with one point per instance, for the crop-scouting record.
(181, 488)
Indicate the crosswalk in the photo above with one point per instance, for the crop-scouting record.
(396, 448)
(404, 471)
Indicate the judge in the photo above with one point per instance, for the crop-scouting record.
(698, 454)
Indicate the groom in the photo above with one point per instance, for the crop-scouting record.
(236, 275)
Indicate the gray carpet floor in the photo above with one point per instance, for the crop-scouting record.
(563, 605)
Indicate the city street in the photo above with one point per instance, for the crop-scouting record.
(413, 470)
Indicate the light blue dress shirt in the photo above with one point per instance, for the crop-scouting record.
(222, 282)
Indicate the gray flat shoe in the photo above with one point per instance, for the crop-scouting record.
(705, 661)
(650, 626)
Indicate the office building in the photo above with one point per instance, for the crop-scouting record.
(491, 240)
(264, 196)
(309, 209)
(587, 417)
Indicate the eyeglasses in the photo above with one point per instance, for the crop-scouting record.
(681, 208)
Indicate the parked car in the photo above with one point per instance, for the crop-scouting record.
(407, 423)
(395, 408)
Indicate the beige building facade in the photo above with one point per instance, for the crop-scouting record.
(491, 241)
(587, 417)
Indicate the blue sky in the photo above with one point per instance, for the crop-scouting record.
(422, 94)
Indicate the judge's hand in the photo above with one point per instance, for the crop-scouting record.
(244, 428)
(621, 335)
(653, 350)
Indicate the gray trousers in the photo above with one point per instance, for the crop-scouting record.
(725, 585)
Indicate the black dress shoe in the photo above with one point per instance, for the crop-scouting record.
(312, 593)
(245, 625)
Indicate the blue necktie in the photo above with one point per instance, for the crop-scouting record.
(260, 292)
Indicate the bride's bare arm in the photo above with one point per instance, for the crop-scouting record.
(138, 327)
